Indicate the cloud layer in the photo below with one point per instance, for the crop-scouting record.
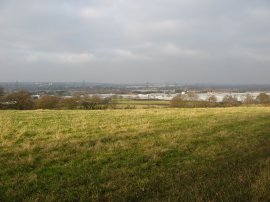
(185, 41)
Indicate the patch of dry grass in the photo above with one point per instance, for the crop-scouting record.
(139, 154)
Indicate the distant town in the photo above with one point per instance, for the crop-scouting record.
(145, 91)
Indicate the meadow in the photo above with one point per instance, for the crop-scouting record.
(159, 154)
(141, 104)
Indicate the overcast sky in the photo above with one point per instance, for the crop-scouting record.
(131, 41)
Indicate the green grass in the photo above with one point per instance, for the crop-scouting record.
(141, 104)
(218, 154)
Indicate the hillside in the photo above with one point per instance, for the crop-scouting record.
(218, 154)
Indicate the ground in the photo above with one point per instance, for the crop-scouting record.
(220, 154)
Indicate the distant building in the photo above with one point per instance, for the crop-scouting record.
(35, 96)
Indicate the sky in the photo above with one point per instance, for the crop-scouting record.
(127, 41)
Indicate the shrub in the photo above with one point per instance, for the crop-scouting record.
(47, 102)
(91, 103)
(68, 103)
(22, 100)
(230, 101)
(1, 91)
(177, 101)
(249, 99)
(263, 98)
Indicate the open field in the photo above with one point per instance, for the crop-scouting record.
(217, 154)
(141, 104)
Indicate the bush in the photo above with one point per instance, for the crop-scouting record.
(47, 102)
(19, 100)
(190, 101)
(249, 99)
(263, 98)
(212, 101)
(1, 91)
(230, 101)
(177, 101)
(68, 103)
(91, 103)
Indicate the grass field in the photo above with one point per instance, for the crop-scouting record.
(141, 104)
(218, 154)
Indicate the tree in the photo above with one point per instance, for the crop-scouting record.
(110, 102)
(1, 91)
(212, 99)
(177, 101)
(21, 99)
(47, 102)
(91, 103)
(249, 99)
(229, 100)
(68, 103)
(263, 98)
(192, 96)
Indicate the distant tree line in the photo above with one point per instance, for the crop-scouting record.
(190, 100)
(22, 100)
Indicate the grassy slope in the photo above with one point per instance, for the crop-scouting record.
(165, 154)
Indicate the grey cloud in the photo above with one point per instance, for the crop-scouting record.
(109, 41)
